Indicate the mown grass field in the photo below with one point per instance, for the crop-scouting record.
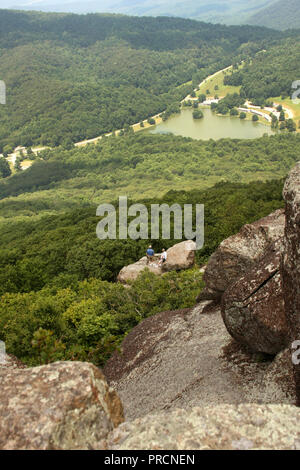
(217, 81)
(288, 103)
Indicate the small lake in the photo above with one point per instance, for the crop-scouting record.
(211, 126)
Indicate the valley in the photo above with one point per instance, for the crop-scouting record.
(185, 126)
(168, 112)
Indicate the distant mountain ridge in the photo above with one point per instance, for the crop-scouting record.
(284, 14)
(218, 11)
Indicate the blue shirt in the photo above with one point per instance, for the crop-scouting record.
(150, 252)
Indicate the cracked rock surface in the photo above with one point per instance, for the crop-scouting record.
(177, 360)
(253, 307)
(239, 253)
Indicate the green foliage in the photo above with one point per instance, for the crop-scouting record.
(5, 170)
(173, 108)
(51, 307)
(17, 165)
(291, 125)
(274, 122)
(198, 114)
(73, 77)
(46, 348)
(281, 14)
(270, 74)
(89, 321)
(142, 164)
(282, 116)
(231, 101)
(234, 112)
(60, 250)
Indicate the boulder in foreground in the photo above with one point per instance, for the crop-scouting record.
(220, 427)
(65, 405)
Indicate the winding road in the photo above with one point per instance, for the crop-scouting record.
(156, 116)
(136, 127)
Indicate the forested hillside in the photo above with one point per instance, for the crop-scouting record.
(225, 11)
(283, 14)
(271, 73)
(71, 77)
(57, 303)
(49, 229)
(141, 164)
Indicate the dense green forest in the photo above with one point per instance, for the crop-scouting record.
(226, 11)
(56, 300)
(141, 164)
(283, 14)
(270, 73)
(71, 77)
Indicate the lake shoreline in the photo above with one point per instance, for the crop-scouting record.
(211, 126)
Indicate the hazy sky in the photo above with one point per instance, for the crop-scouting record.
(223, 11)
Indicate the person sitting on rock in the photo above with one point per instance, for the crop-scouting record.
(163, 257)
(150, 254)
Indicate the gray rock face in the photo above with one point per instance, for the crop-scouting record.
(237, 254)
(180, 256)
(220, 427)
(66, 405)
(291, 262)
(253, 307)
(9, 362)
(177, 360)
(171, 360)
(277, 383)
(132, 271)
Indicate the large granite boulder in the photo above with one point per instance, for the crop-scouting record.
(132, 271)
(291, 262)
(180, 256)
(237, 254)
(66, 405)
(219, 427)
(253, 307)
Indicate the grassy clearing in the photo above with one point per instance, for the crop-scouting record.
(26, 164)
(217, 81)
(137, 127)
(288, 103)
